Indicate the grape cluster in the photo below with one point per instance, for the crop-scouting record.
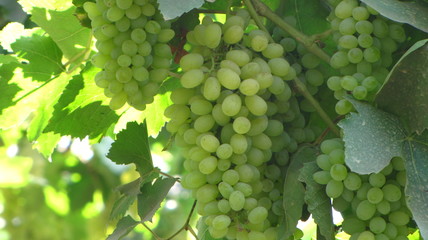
(229, 117)
(365, 42)
(373, 206)
(132, 50)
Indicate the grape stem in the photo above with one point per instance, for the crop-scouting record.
(304, 91)
(186, 225)
(307, 41)
(256, 18)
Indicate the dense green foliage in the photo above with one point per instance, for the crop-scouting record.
(248, 120)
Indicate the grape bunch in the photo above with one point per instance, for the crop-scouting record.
(132, 48)
(237, 121)
(365, 41)
(373, 206)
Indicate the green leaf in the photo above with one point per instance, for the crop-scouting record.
(411, 12)
(405, 92)
(5, 59)
(319, 204)
(294, 191)
(82, 109)
(124, 226)
(310, 15)
(416, 155)
(171, 9)
(132, 146)
(73, 39)
(221, 5)
(372, 137)
(130, 192)
(41, 52)
(152, 196)
(153, 115)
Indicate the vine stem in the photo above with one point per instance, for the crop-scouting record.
(168, 175)
(186, 225)
(151, 231)
(256, 18)
(304, 91)
(265, 11)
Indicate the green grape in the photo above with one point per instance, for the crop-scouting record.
(213, 35)
(377, 225)
(344, 9)
(289, 44)
(372, 54)
(239, 143)
(221, 222)
(337, 156)
(347, 26)
(340, 204)
(118, 100)
(359, 92)
(338, 172)
(273, 50)
(343, 107)
(250, 70)
(353, 225)
(265, 80)
(204, 123)
(237, 200)
(257, 215)
(375, 195)
(209, 143)
(138, 73)
(133, 12)
(233, 34)
(124, 60)
(228, 78)
(314, 77)
(391, 230)
(397, 33)
(365, 210)
(123, 24)
(279, 66)
(245, 188)
(207, 193)
(274, 128)
(327, 146)
(391, 192)
(259, 42)
(201, 107)
(323, 161)
(366, 235)
(192, 78)
(230, 176)
(208, 165)
(360, 13)
(125, 74)
(241, 125)
(262, 141)
(365, 40)
(239, 57)
(256, 105)
(355, 55)
(348, 83)
(245, 172)
(231, 105)
(310, 61)
(348, 41)
(380, 28)
(333, 83)
(114, 14)
(129, 47)
(144, 49)
(370, 83)
(399, 218)
(364, 27)
(322, 177)
(334, 188)
(339, 60)
(352, 181)
(377, 179)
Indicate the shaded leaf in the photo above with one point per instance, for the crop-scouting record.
(294, 191)
(132, 146)
(372, 137)
(319, 204)
(311, 15)
(5, 59)
(405, 92)
(129, 193)
(73, 39)
(152, 196)
(416, 155)
(124, 226)
(411, 12)
(82, 109)
(171, 9)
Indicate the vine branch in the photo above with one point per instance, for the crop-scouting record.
(256, 18)
(304, 91)
(307, 41)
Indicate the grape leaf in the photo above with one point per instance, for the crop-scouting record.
(152, 196)
(319, 204)
(73, 39)
(310, 15)
(124, 226)
(152, 115)
(294, 191)
(411, 12)
(416, 155)
(221, 5)
(372, 137)
(405, 92)
(5, 59)
(171, 9)
(81, 110)
(132, 146)
(129, 195)
(42, 54)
